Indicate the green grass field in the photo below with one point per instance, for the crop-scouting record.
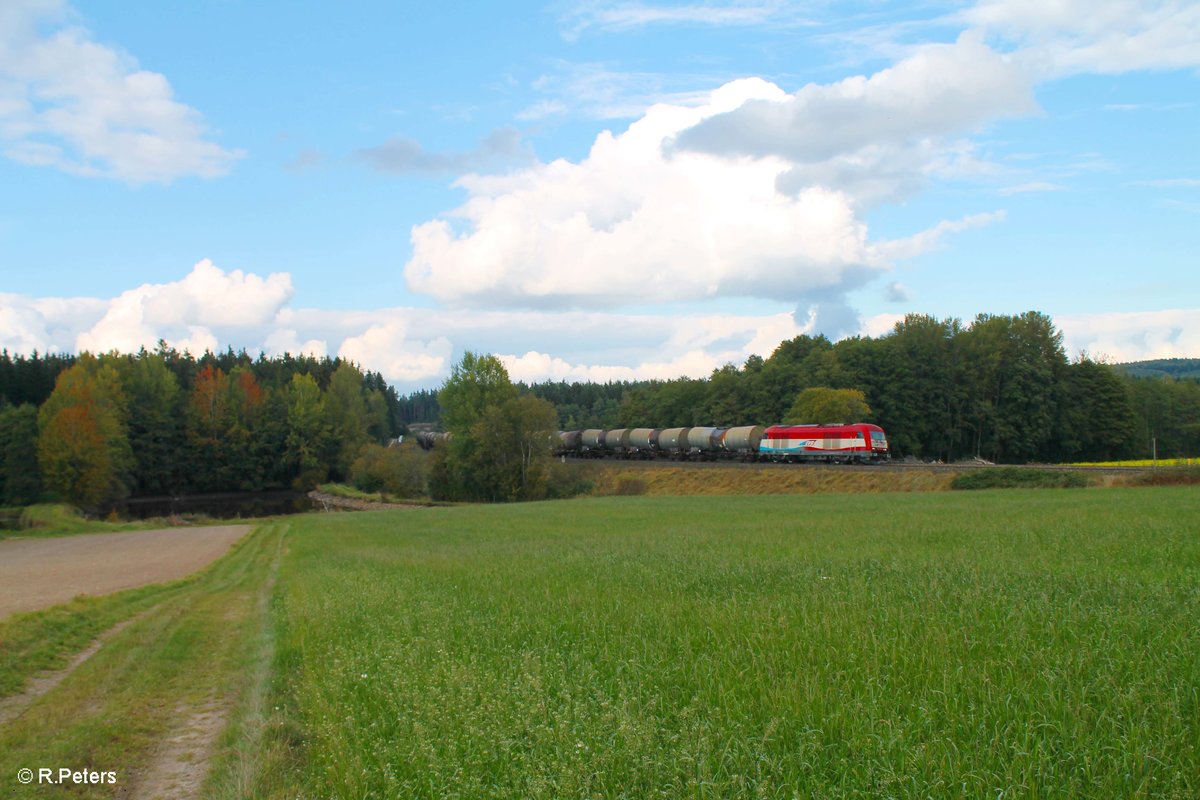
(1019, 643)
(1031, 644)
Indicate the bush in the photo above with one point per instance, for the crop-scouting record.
(563, 482)
(399, 471)
(1169, 476)
(629, 485)
(58, 516)
(1019, 478)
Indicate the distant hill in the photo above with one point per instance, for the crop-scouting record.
(1163, 367)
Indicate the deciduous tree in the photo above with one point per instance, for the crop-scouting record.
(500, 444)
(83, 447)
(821, 404)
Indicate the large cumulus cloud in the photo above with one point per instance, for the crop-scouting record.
(752, 193)
(186, 312)
(631, 224)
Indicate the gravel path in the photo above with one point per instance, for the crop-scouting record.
(39, 573)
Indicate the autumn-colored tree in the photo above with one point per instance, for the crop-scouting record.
(207, 420)
(74, 456)
(83, 448)
(207, 404)
(244, 457)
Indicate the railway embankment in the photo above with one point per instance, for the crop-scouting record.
(726, 478)
(659, 478)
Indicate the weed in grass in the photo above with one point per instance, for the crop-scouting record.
(1019, 478)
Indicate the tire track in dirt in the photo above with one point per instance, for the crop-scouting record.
(181, 763)
(180, 766)
(15, 705)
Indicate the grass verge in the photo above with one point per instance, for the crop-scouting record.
(657, 480)
(60, 519)
(347, 492)
(112, 711)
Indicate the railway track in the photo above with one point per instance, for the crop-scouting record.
(888, 466)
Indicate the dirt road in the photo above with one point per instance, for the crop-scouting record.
(38, 573)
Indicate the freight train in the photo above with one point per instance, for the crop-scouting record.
(860, 443)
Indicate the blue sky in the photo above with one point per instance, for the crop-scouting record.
(593, 190)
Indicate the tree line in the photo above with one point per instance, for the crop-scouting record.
(94, 429)
(1000, 388)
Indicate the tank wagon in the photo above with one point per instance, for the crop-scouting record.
(704, 444)
(860, 442)
(673, 442)
(616, 441)
(643, 442)
(427, 440)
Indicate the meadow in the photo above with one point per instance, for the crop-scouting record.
(1021, 643)
(998, 643)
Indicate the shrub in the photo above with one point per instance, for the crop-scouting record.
(1019, 478)
(58, 516)
(629, 485)
(1169, 476)
(563, 482)
(399, 471)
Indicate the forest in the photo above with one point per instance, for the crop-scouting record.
(93, 429)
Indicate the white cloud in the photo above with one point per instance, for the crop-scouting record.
(415, 347)
(930, 239)
(938, 90)
(184, 312)
(1133, 335)
(622, 16)
(597, 91)
(881, 325)
(402, 155)
(1172, 183)
(287, 340)
(534, 366)
(69, 102)
(750, 192)
(1114, 36)
(387, 348)
(633, 224)
(48, 325)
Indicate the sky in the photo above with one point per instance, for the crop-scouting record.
(594, 191)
